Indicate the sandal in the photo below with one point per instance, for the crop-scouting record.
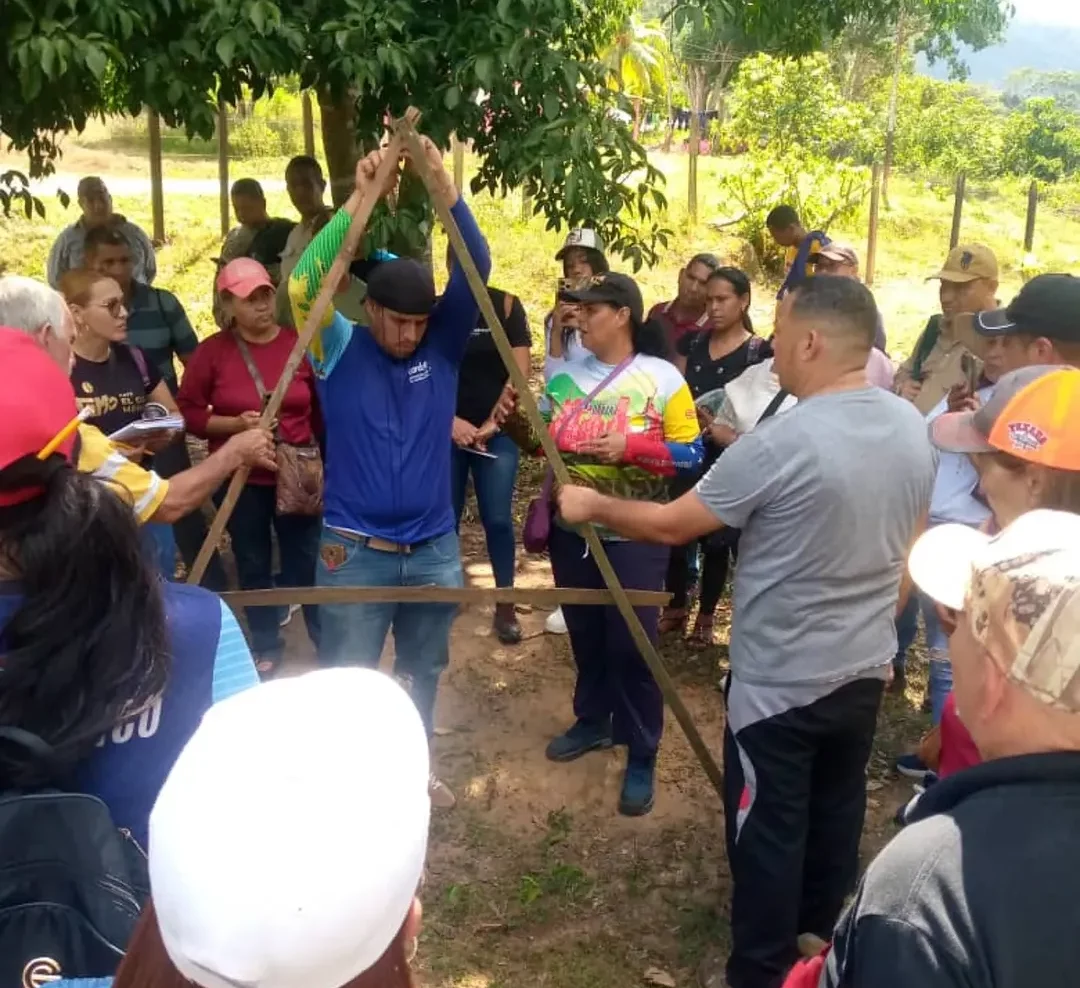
(673, 619)
(702, 635)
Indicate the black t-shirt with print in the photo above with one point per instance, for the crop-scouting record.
(703, 374)
(116, 388)
(483, 373)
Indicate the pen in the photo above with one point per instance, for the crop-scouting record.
(54, 444)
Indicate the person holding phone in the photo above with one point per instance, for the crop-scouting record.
(223, 393)
(117, 383)
(485, 397)
(582, 257)
(955, 501)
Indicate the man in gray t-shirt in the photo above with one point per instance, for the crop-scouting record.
(829, 497)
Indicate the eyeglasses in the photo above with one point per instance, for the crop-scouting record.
(115, 307)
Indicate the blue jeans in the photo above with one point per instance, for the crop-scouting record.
(493, 481)
(298, 545)
(907, 629)
(353, 634)
(937, 647)
(159, 547)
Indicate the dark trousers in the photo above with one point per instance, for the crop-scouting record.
(298, 545)
(613, 681)
(493, 481)
(716, 563)
(794, 801)
(190, 531)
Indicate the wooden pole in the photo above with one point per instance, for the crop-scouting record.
(648, 651)
(459, 161)
(157, 184)
(223, 168)
(309, 124)
(1029, 226)
(871, 236)
(691, 184)
(958, 209)
(537, 596)
(311, 325)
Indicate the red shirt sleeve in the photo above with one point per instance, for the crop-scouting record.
(807, 973)
(196, 388)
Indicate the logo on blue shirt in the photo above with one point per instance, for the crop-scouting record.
(420, 371)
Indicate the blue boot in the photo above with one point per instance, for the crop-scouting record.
(637, 788)
(582, 738)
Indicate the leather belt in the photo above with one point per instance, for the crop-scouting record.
(383, 545)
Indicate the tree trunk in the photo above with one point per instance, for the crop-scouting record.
(339, 144)
(894, 97)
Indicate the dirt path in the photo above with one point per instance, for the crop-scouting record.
(534, 877)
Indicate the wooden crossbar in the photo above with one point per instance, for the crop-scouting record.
(535, 596)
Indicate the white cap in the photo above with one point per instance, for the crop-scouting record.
(582, 237)
(289, 839)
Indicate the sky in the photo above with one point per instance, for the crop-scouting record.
(1054, 12)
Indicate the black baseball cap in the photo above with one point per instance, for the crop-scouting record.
(613, 288)
(1048, 305)
(403, 285)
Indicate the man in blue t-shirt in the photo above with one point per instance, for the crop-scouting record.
(389, 394)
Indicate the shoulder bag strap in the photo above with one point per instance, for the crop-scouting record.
(249, 362)
(774, 406)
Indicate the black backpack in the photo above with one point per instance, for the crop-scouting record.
(71, 884)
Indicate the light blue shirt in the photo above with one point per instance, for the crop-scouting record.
(953, 499)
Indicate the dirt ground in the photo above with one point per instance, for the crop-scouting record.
(534, 879)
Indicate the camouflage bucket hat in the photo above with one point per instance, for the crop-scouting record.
(1020, 593)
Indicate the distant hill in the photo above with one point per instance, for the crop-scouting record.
(1028, 46)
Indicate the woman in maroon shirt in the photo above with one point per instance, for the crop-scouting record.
(218, 398)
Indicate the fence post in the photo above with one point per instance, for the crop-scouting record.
(1029, 227)
(691, 191)
(223, 164)
(157, 185)
(459, 160)
(958, 209)
(871, 236)
(309, 124)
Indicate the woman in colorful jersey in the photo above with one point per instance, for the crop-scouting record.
(108, 664)
(625, 422)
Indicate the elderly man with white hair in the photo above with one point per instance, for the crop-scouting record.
(34, 308)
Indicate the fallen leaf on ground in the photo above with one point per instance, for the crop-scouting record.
(655, 976)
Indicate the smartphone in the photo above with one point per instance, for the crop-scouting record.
(971, 372)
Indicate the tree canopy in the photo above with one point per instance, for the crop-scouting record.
(525, 80)
(522, 78)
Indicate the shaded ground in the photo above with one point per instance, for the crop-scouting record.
(534, 879)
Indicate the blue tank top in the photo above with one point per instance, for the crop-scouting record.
(131, 762)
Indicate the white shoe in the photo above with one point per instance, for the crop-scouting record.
(290, 613)
(556, 623)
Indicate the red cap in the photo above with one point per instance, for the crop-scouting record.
(36, 403)
(242, 276)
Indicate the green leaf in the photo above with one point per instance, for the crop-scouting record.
(226, 48)
(258, 17)
(452, 97)
(48, 57)
(96, 60)
(485, 69)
